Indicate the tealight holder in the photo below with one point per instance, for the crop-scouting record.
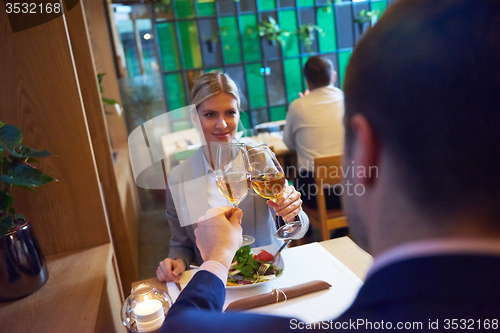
(145, 309)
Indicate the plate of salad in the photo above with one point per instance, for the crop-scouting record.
(246, 262)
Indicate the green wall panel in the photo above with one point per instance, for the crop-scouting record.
(205, 8)
(256, 87)
(244, 124)
(190, 44)
(305, 3)
(343, 61)
(303, 61)
(215, 69)
(326, 21)
(168, 46)
(288, 21)
(251, 39)
(184, 8)
(176, 95)
(278, 113)
(230, 40)
(267, 4)
(380, 6)
(293, 77)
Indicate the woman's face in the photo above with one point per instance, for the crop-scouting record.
(219, 117)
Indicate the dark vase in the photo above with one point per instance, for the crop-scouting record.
(23, 269)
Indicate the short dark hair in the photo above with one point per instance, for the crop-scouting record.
(318, 71)
(427, 78)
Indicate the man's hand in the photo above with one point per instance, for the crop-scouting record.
(288, 205)
(170, 270)
(219, 234)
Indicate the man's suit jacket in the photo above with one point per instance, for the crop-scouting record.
(460, 291)
(187, 201)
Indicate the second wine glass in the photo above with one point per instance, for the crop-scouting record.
(268, 180)
(232, 175)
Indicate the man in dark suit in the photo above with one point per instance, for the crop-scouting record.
(422, 94)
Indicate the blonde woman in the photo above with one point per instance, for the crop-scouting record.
(192, 183)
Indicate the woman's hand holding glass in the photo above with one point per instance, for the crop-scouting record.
(268, 180)
(288, 205)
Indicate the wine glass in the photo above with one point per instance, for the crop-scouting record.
(268, 181)
(232, 175)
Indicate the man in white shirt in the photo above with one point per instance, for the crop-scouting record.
(314, 127)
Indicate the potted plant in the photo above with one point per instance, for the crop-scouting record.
(106, 101)
(306, 34)
(273, 32)
(22, 266)
(365, 19)
(329, 5)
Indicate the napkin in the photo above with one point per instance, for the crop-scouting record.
(278, 295)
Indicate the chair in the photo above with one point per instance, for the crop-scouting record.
(327, 172)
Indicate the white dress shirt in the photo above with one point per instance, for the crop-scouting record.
(314, 125)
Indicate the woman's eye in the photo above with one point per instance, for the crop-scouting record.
(209, 115)
(232, 113)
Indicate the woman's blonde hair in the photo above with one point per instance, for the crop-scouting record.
(211, 84)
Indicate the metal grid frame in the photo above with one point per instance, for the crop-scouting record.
(263, 61)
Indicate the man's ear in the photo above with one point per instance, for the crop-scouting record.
(366, 152)
(334, 77)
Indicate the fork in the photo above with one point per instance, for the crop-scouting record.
(263, 269)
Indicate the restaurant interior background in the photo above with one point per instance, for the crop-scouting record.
(162, 46)
(96, 228)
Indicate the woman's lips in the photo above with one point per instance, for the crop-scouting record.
(221, 136)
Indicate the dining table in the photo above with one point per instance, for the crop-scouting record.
(340, 262)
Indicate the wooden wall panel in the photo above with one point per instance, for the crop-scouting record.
(103, 59)
(126, 250)
(39, 92)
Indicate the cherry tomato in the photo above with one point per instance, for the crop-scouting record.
(264, 256)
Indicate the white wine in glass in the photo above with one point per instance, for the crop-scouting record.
(269, 185)
(268, 181)
(232, 175)
(234, 186)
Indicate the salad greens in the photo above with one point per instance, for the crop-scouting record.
(246, 263)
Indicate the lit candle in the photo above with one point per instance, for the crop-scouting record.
(149, 315)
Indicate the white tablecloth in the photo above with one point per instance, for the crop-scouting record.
(302, 264)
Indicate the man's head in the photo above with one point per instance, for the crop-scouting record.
(426, 79)
(319, 72)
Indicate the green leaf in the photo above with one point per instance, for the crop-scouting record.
(27, 152)
(5, 200)
(5, 224)
(10, 137)
(109, 101)
(19, 217)
(24, 175)
(1, 124)
(100, 76)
